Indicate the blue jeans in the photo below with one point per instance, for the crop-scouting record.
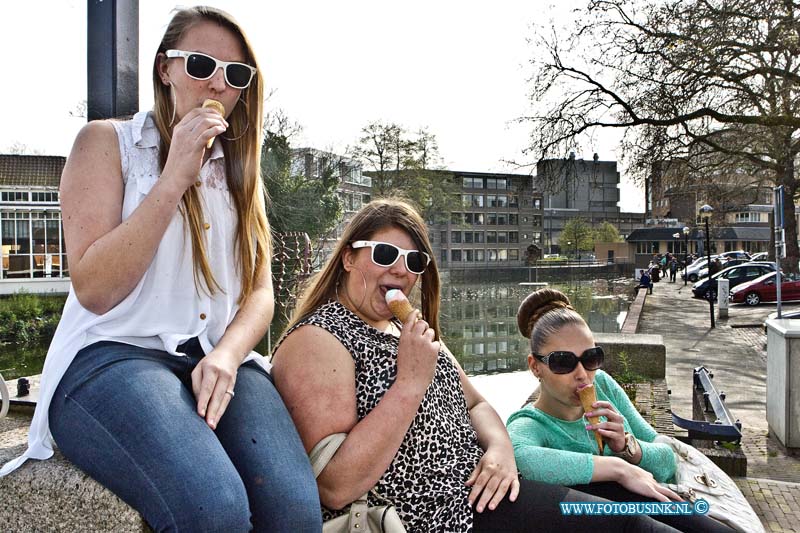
(127, 417)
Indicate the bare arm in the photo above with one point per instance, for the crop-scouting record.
(496, 472)
(631, 477)
(108, 257)
(311, 359)
(216, 372)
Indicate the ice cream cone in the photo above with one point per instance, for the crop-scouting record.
(588, 397)
(219, 108)
(399, 304)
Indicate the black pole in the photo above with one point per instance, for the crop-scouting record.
(113, 58)
(685, 256)
(708, 254)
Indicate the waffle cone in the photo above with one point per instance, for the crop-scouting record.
(588, 397)
(401, 309)
(219, 108)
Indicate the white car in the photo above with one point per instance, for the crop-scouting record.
(693, 271)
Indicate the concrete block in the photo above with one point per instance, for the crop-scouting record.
(54, 495)
(644, 355)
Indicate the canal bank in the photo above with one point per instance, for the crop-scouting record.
(735, 351)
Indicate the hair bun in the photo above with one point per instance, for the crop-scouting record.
(537, 304)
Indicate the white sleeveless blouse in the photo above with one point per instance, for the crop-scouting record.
(165, 308)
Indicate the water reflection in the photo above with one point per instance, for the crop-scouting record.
(479, 320)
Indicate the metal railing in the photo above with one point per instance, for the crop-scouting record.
(724, 427)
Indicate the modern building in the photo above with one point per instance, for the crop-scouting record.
(33, 253)
(576, 188)
(498, 223)
(354, 190)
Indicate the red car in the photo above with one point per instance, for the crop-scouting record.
(763, 290)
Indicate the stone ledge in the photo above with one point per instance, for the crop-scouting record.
(646, 354)
(54, 495)
(631, 323)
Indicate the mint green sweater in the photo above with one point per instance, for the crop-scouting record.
(552, 450)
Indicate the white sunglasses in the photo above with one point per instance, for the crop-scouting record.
(385, 254)
(202, 66)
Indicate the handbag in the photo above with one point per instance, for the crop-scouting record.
(361, 518)
(697, 477)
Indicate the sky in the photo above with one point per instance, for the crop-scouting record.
(458, 68)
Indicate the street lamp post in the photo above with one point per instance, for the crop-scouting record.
(705, 214)
(685, 253)
(677, 236)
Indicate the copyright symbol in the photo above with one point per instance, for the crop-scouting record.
(701, 506)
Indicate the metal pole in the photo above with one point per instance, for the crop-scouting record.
(708, 255)
(685, 257)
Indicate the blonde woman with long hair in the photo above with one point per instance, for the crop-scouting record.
(150, 384)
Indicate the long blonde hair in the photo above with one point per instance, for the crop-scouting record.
(242, 159)
(373, 217)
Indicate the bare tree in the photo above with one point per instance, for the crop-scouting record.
(712, 84)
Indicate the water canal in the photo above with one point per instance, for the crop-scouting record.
(478, 321)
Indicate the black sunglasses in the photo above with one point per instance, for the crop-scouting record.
(202, 67)
(385, 255)
(565, 362)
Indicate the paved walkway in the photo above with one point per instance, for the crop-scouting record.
(735, 351)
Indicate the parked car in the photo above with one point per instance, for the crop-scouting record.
(736, 254)
(760, 256)
(725, 264)
(693, 271)
(736, 275)
(763, 289)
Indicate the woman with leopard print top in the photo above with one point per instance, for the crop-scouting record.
(418, 431)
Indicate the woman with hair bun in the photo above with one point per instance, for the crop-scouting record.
(552, 440)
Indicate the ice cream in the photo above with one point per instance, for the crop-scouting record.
(219, 108)
(399, 304)
(588, 397)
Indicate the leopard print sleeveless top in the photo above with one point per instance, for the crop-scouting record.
(440, 450)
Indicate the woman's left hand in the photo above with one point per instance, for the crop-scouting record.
(495, 474)
(213, 380)
(613, 429)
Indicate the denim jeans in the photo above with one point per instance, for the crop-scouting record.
(127, 417)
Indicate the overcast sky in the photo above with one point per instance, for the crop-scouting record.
(459, 68)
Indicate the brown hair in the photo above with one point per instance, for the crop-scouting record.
(543, 313)
(371, 218)
(242, 158)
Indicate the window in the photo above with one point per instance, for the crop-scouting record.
(469, 256)
(492, 255)
(479, 220)
(468, 237)
(537, 203)
(443, 236)
(466, 200)
(502, 183)
(455, 237)
(32, 245)
(479, 237)
(457, 218)
(491, 200)
(502, 236)
(647, 247)
(14, 196)
(502, 255)
(502, 200)
(479, 256)
(513, 219)
(455, 255)
(491, 219)
(513, 255)
(537, 220)
(513, 236)
(472, 183)
(491, 236)
(502, 219)
(444, 256)
(748, 217)
(491, 183)
(513, 201)
(477, 200)
(45, 197)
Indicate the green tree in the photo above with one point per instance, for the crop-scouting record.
(576, 230)
(607, 232)
(408, 165)
(298, 203)
(712, 84)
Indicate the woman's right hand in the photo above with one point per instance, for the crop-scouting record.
(642, 482)
(189, 138)
(417, 353)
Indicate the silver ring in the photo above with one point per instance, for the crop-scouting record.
(231, 393)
